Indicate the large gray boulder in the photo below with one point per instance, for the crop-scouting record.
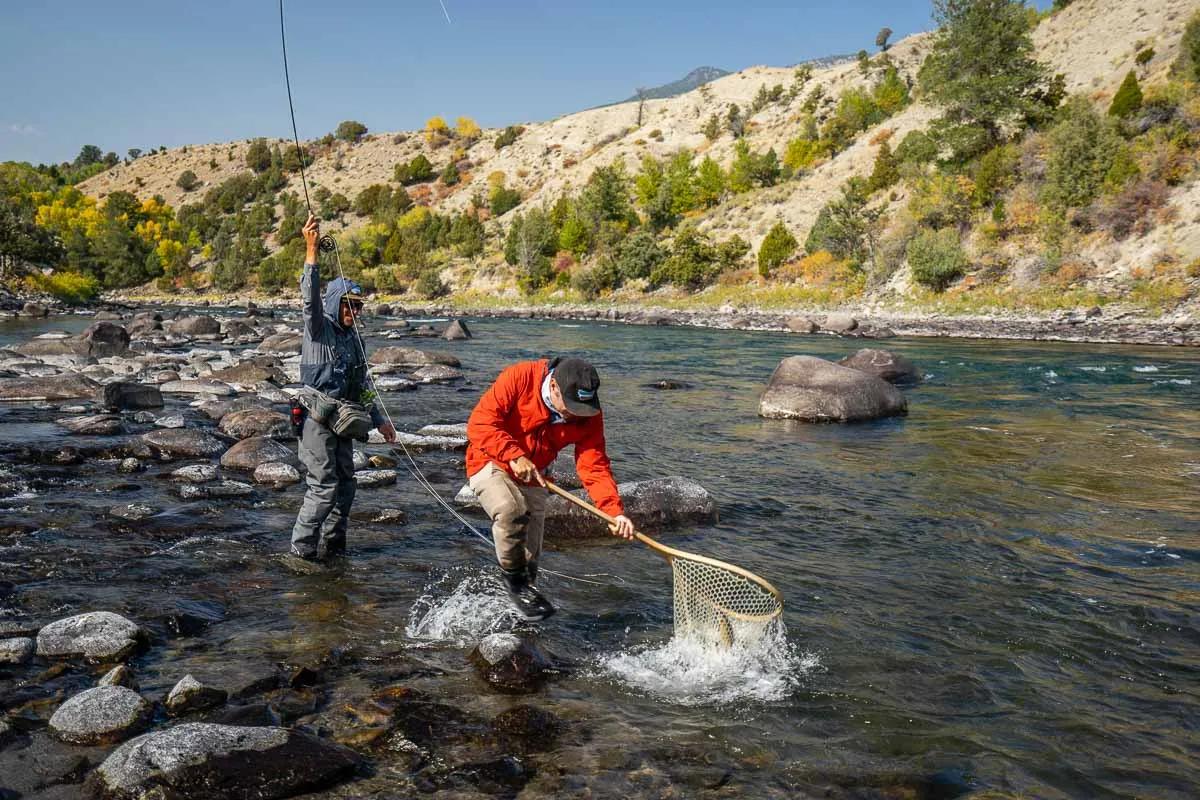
(93, 425)
(884, 364)
(256, 422)
(125, 396)
(103, 715)
(209, 387)
(97, 635)
(287, 342)
(183, 443)
(436, 373)
(456, 331)
(202, 761)
(249, 373)
(653, 505)
(255, 451)
(812, 389)
(511, 663)
(197, 325)
(69, 386)
(410, 357)
(275, 474)
(106, 339)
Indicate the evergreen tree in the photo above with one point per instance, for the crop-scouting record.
(1128, 98)
(258, 156)
(350, 131)
(710, 183)
(886, 171)
(776, 248)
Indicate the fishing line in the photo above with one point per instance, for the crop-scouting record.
(329, 244)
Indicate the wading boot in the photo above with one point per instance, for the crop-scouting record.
(528, 601)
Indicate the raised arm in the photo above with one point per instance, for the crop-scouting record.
(310, 281)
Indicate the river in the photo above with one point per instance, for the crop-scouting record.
(999, 591)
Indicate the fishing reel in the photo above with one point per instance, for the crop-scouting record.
(327, 244)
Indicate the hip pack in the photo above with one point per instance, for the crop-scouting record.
(343, 418)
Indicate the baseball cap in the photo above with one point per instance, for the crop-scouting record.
(579, 384)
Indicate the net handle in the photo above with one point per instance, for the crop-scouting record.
(669, 553)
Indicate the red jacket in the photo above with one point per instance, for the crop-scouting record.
(511, 420)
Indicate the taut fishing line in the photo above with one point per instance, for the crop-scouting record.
(329, 244)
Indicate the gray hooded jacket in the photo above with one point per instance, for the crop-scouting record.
(332, 358)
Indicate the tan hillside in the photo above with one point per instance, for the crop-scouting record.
(1092, 43)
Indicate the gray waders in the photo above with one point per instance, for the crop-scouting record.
(325, 512)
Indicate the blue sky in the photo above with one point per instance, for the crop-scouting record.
(122, 73)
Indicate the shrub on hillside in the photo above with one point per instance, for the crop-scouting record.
(508, 136)
(936, 258)
(296, 157)
(502, 200)
(450, 176)
(1083, 147)
(429, 284)
(437, 132)
(886, 170)
(187, 180)
(1187, 64)
(995, 172)
(845, 226)
(350, 130)
(776, 248)
(1144, 56)
(917, 147)
(1128, 98)
(258, 155)
(418, 170)
(467, 129)
(1130, 211)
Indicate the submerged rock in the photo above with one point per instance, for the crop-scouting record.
(98, 635)
(183, 443)
(192, 695)
(511, 663)
(885, 364)
(133, 512)
(667, 384)
(815, 390)
(216, 490)
(203, 760)
(255, 451)
(103, 715)
(52, 387)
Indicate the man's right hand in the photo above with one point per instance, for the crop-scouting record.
(312, 235)
(525, 471)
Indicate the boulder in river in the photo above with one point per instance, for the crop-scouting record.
(203, 761)
(374, 478)
(511, 663)
(286, 343)
(196, 473)
(69, 386)
(457, 331)
(276, 474)
(126, 396)
(249, 373)
(801, 325)
(436, 373)
(93, 425)
(196, 325)
(815, 390)
(183, 443)
(106, 339)
(410, 357)
(103, 715)
(256, 422)
(217, 490)
(32, 309)
(885, 364)
(97, 635)
(214, 388)
(192, 695)
(17, 650)
(120, 675)
(250, 453)
(839, 323)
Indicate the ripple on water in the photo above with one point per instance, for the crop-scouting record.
(691, 672)
(474, 607)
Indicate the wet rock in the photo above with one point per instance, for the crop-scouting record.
(197, 325)
(361, 460)
(93, 425)
(196, 473)
(120, 675)
(214, 388)
(250, 373)
(215, 491)
(166, 376)
(389, 516)
(511, 663)
(839, 323)
(133, 512)
(815, 390)
(420, 444)
(801, 325)
(130, 465)
(172, 421)
(251, 453)
(103, 715)
(51, 387)
(217, 410)
(276, 474)
(192, 695)
(36, 310)
(283, 343)
(667, 385)
(16, 651)
(252, 715)
(889, 366)
(382, 310)
(256, 422)
(410, 357)
(436, 373)
(105, 339)
(193, 617)
(457, 331)
(389, 383)
(236, 328)
(271, 393)
(173, 443)
(457, 430)
(98, 635)
(382, 461)
(67, 350)
(125, 396)
(374, 478)
(526, 729)
(203, 760)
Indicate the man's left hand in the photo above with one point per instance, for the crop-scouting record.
(622, 526)
(388, 432)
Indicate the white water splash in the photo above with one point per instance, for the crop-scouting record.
(475, 607)
(1146, 368)
(691, 672)
(1094, 369)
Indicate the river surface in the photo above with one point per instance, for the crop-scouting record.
(1000, 590)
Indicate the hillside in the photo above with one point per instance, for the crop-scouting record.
(1091, 43)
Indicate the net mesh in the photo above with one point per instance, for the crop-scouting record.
(721, 605)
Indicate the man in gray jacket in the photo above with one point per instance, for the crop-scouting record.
(333, 367)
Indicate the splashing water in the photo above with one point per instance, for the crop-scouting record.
(691, 672)
(475, 607)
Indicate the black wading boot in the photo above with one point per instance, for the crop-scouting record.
(527, 600)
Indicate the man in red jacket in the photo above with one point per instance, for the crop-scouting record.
(532, 411)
